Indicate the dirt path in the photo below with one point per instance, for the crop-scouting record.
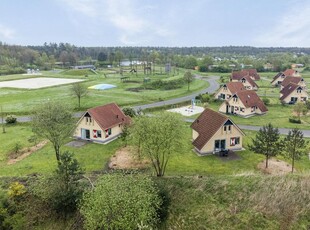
(26, 152)
(125, 159)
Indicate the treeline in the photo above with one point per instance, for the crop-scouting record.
(14, 59)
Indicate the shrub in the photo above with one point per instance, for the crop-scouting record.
(10, 119)
(266, 101)
(121, 202)
(295, 120)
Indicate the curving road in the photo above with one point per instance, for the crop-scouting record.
(214, 85)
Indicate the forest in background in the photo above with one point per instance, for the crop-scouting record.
(16, 59)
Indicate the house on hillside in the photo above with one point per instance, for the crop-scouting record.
(237, 75)
(278, 79)
(248, 83)
(228, 89)
(297, 80)
(101, 124)
(293, 93)
(244, 103)
(213, 132)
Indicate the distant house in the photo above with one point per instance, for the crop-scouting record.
(84, 67)
(293, 93)
(277, 80)
(297, 80)
(244, 103)
(228, 89)
(101, 124)
(212, 132)
(237, 75)
(249, 83)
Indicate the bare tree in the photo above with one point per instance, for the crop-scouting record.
(79, 91)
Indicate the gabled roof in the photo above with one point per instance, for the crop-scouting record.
(277, 76)
(250, 80)
(207, 124)
(253, 73)
(249, 98)
(289, 72)
(287, 90)
(237, 75)
(290, 79)
(234, 86)
(108, 116)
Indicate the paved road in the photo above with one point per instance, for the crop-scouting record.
(211, 89)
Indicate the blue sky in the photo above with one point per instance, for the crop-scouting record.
(260, 23)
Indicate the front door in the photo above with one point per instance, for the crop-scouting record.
(232, 109)
(85, 134)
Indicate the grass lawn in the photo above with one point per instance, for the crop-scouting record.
(91, 156)
(19, 101)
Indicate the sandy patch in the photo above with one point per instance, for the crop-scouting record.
(36, 83)
(275, 167)
(26, 152)
(125, 159)
(187, 110)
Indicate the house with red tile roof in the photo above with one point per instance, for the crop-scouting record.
(293, 93)
(290, 79)
(237, 75)
(102, 123)
(212, 132)
(278, 79)
(244, 103)
(248, 83)
(228, 89)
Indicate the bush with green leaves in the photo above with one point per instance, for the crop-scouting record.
(64, 188)
(10, 119)
(121, 202)
(266, 100)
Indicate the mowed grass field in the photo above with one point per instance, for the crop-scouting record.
(95, 157)
(22, 101)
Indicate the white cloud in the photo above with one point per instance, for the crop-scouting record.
(86, 7)
(291, 30)
(6, 33)
(132, 20)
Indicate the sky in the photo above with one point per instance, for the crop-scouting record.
(169, 23)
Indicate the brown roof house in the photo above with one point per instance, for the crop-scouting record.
(228, 89)
(297, 80)
(101, 124)
(212, 132)
(244, 103)
(245, 78)
(278, 79)
(237, 75)
(293, 93)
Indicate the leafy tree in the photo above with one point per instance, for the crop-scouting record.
(53, 120)
(294, 145)
(158, 137)
(129, 111)
(300, 108)
(266, 142)
(102, 57)
(62, 190)
(188, 77)
(79, 91)
(121, 202)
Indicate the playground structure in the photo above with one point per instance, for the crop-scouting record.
(189, 110)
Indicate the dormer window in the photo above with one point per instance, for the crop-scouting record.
(299, 90)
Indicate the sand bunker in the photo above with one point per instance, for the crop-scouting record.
(37, 83)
